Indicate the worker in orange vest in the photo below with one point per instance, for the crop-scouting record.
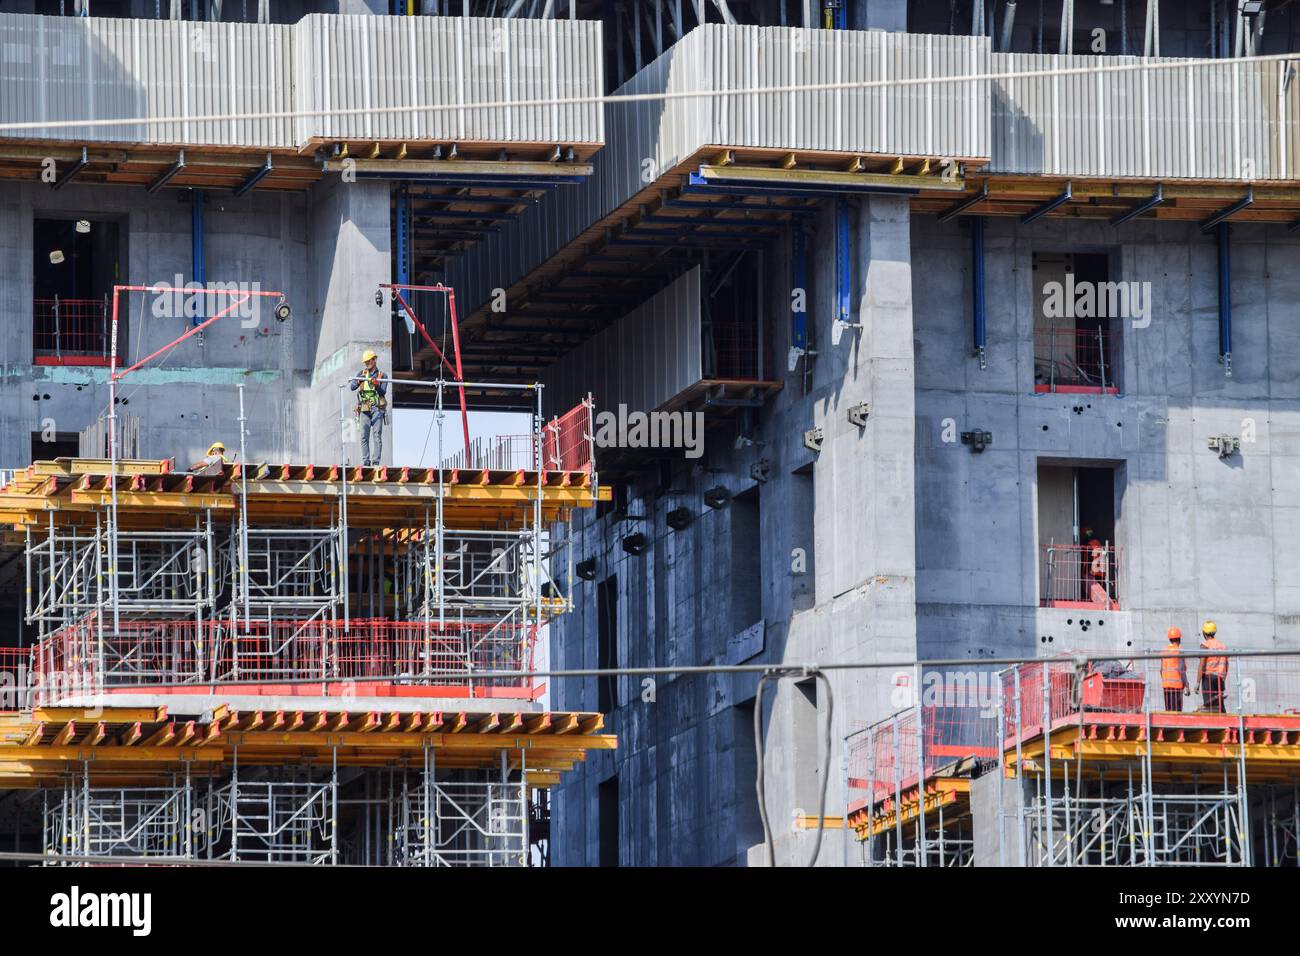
(1173, 672)
(1212, 674)
(1099, 568)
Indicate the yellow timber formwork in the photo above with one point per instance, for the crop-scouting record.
(143, 746)
(150, 494)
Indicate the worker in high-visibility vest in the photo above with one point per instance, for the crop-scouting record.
(1212, 674)
(212, 462)
(1173, 672)
(372, 407)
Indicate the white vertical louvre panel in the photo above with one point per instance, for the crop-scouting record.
(650, 138)
(641, 360)
(1228, 120)
(79, 68)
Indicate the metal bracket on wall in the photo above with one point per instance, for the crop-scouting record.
(679, 518)
(717, 497)
(978, 440)
(760, 470)
(859, 413)
(1225, 445)
(813, 438)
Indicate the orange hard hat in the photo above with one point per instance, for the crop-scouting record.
(1175, 634)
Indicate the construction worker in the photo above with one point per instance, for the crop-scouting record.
(1099, 568)
(213, 461)
(1212, 674)
(372, 406)
(1173, 672)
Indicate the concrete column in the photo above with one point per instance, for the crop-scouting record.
(349, 256)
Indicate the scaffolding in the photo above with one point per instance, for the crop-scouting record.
(1064, 762)
(428, 576)
(393, 591)
(304, 815)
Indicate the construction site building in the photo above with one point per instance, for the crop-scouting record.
(867, 285)
(291, 658)
(906, 461)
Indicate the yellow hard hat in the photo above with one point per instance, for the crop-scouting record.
(368, 354)
(216, 446)
(1210, 628)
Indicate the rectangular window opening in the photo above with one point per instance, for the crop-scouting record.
(746, 562)
(1078, 558)
(76, 263)
(607, 643)
(1078, 321)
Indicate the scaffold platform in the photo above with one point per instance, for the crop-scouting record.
(1076, 773)
(327, 664)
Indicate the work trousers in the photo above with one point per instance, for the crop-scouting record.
(1212, 693)
(372, 427)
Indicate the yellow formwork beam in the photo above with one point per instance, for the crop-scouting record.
(459, 167)
(112, 715)
(831, 179)
(940, 792)
(67, 467)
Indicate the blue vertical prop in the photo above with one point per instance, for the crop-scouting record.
(403, 234)
(978, 308)
(843, 263)
(1225, 298)
(799, 282)
(196, 251)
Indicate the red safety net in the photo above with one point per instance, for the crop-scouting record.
(79, 658)
(567, 441)
(1080, 576)
(70, 331)
(1082, 361)
(15, 666)
(1024, 703)
(956, 723)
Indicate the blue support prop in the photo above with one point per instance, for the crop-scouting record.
(402, 228)
(978, 305)
(1225, 298)
(799, 283)
(403, 235)
(196, 251)
(843, 263)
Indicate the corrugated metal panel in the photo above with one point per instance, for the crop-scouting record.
(930, 120)
(648, 138)
(92, 68)
(369, 62)
(1224, 121)
(642, 360)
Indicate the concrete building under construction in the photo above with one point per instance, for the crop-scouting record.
(983, 311)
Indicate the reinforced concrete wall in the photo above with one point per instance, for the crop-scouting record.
(725, 591)
(917, 545)
(1199, 536)
(326, 250)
